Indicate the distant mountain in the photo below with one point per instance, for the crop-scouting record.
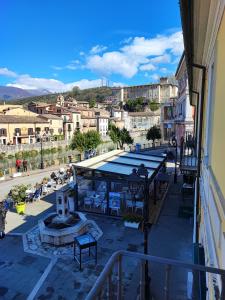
(8, 93)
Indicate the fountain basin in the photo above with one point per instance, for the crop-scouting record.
(58, 236)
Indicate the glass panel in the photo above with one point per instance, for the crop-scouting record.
(127, 160)
(92, 196)
(114, 168)
(148, 157)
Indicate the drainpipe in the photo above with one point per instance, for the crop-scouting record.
(199, 139)
(196, 118)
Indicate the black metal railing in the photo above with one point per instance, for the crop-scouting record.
(111, 282)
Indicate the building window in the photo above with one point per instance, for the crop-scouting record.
(17, 131)
(30, 131)
(3, 132)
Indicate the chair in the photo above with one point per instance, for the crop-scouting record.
(188, 185)
(139, 205)
(37, 194)
(114, 205)
(104, 206)
(88, 202)
(130, 204)
(97, 201)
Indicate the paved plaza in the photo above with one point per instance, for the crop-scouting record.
(30, 276)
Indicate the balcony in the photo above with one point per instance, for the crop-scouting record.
(111, 284)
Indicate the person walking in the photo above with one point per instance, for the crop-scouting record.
(18, 165)
(3, 212)
(25, 165)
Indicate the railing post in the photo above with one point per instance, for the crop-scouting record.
(119, 280)
(167, 281)
(223, 287)
(100, 296)
(142, 281)
(109, 287)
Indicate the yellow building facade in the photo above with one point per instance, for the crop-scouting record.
(203, 24)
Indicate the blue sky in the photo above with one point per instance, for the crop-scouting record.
(56, 44)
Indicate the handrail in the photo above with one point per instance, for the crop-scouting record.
(97, 287)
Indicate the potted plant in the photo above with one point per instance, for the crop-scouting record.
(2, 175)
(45, 180)
(71, 199)
(18, 194)
(132, 220)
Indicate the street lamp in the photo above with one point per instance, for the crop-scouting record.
(174, 143)
(40, 137)
(138, 180)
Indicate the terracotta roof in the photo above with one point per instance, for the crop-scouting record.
(21, 119)
(39, 104)
(141, 114)
(50, 116)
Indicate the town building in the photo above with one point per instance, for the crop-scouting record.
(55, 125)
(94, 119)
(158, 92)
(168, 115)
(19, 111)
(41, 107)
(4, 107)
(21, 129)
(142, 121)
(203, 25)
(134, 121)
(184, 114)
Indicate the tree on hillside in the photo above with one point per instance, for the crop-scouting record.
(153, 105)
(120, 136)
(135, 105)
(154, 133)
(75, 92)
(92, 103)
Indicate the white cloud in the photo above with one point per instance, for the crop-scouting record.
(53, 85)
(82, 53)
(98, 49)
(164, 70)
(147, 67)
(165, 58)
(113, 62)
(154, 77)
(57, 68)
(127, 40)
(6, 72)
(138, 52)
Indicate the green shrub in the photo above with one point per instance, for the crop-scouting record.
(1, 173)
(131, 217)
(25, 154)
(53, 150)
(19, 155)
(33, 153)
(10, 156)
(2, 155)
(60, 149)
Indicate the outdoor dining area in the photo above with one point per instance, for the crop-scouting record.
(118, 182)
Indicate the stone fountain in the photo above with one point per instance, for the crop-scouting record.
(61, 227)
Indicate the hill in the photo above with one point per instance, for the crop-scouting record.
(8, 93)
(97, 94)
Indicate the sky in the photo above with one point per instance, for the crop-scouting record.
(58, 44)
